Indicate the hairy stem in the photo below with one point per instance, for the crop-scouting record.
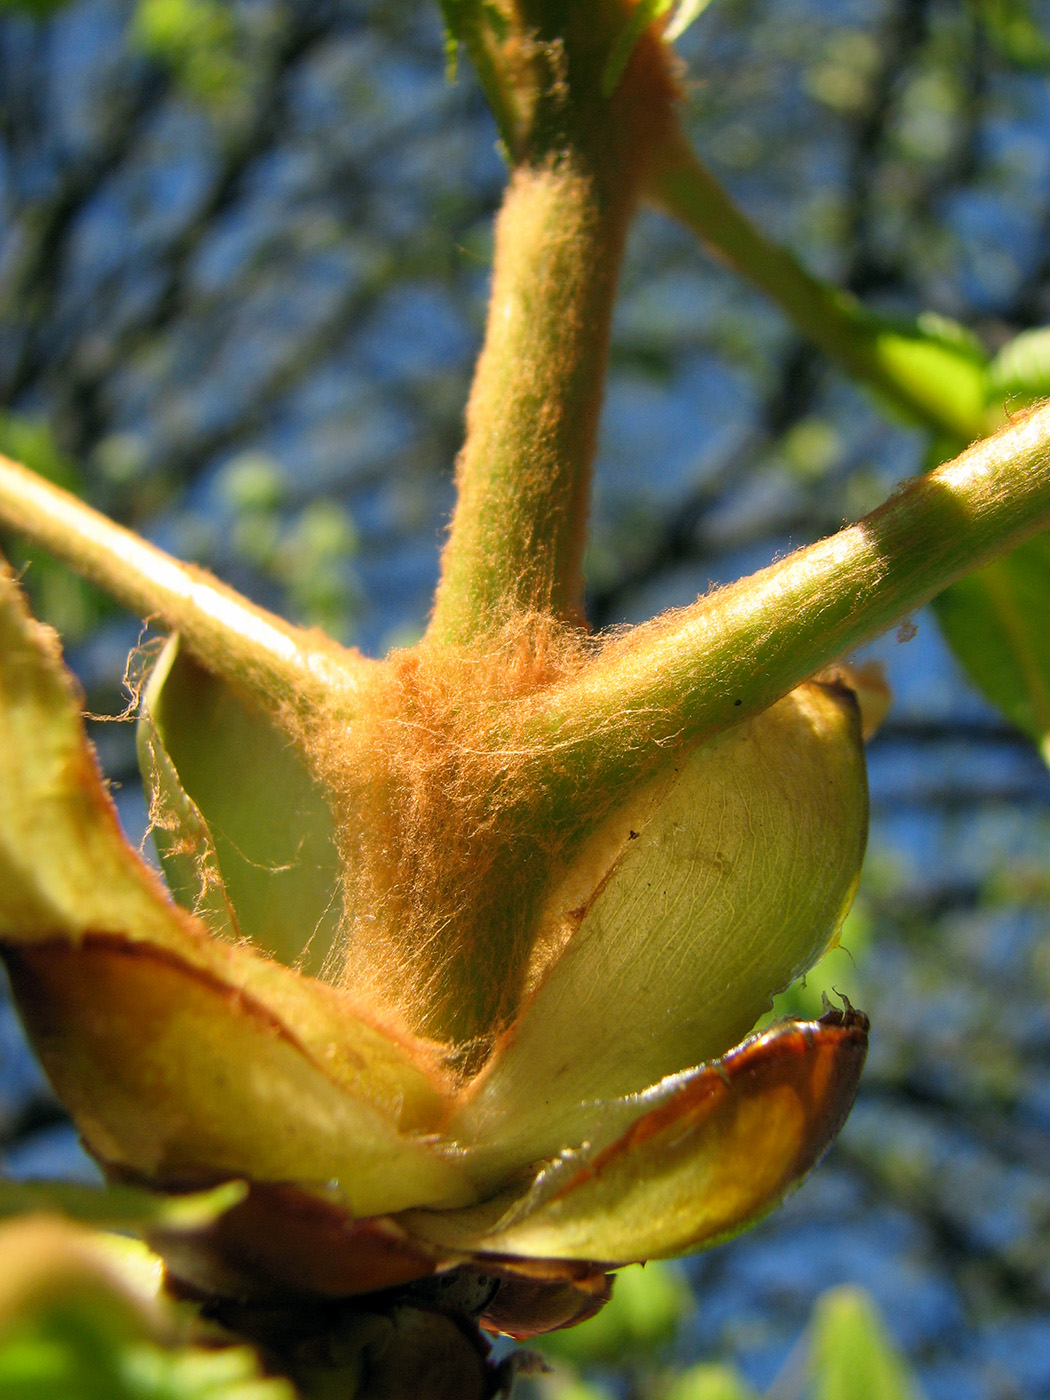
(281, 664)
(523, 477)
(734, 653)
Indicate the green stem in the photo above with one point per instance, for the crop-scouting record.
(523, 478)
(731, 655)
(281, 664)
(937, 387)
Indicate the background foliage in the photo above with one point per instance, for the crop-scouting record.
(243, 262)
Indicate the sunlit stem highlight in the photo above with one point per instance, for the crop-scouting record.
(281, 664)
(732, 654)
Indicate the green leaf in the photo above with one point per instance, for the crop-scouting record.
(62, 1356)
(198, 40)
(118, 1207)
(851, 1356)
(233, 1373)
(31, 441)
(710, 1382)
(1017, 35)
(60, 1360)
(577, 1389)
(997, 622)
(942, 367)
(1021, 370)
(83, 1317)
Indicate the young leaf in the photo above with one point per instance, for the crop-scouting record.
(851, 1356)
(997, 623)
(940, 368)
(1022, 368)
(118, 1207)
(1015, 32)
(709, 1382)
